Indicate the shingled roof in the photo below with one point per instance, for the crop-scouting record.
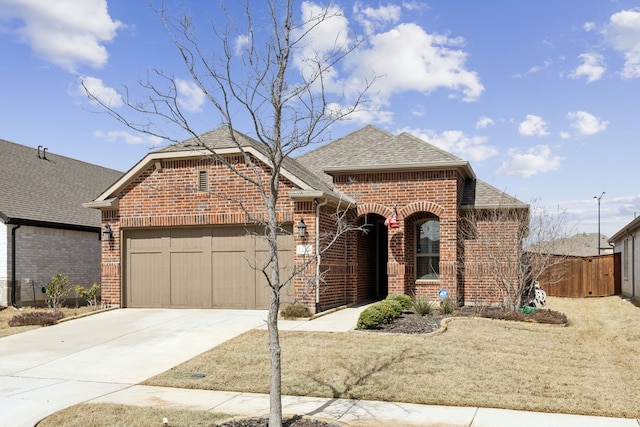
(373, 149)
(220, 139)
(42, 188)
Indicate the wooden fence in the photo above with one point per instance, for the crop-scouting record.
(579, 277)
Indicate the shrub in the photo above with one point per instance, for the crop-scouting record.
(294, 311)
(370, 318)
(57, 290)
(378, 314)
(549, 316)
(42, 318)
(391, 309)
(422, 305)
(538, 316)
(90, 295)
(447, 306)
(404, 300)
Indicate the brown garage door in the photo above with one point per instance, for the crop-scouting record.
(216, 267)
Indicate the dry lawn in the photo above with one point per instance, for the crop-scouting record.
(8, 313)
(108, 415)
(589, 367)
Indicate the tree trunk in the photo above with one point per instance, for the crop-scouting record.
(275, 386)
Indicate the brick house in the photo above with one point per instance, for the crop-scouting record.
(185, 230)
(44, 229)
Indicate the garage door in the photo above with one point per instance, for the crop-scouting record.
(216, 267)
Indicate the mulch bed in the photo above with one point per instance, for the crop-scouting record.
(412, 323)
(295, 421)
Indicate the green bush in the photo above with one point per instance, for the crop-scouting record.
(90, 295)
(57, 290)
(447, 306)
(371, 318)
(42, 318)
(422, 305)
(294, 311)
(404, 300)
(380, 313)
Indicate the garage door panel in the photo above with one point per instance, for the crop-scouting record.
(232, 280)
(148, 281)
(201, 267)
(190, 283)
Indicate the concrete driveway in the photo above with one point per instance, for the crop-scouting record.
(48, 369)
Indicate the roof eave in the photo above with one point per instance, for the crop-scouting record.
(626, 230)
(300, 195)
(462, 166)
(151, 158)
(108, 204)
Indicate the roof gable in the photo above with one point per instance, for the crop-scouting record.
(43, 187)
(219, 140)
(480, 195)
(372, 149)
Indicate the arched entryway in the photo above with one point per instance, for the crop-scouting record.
(373, 255)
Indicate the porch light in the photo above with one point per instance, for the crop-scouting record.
(302, 228)
(107, 233)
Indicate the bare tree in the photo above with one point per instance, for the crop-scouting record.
(267, 74)
(515, 244)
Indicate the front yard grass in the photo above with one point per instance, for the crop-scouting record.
(588, 367)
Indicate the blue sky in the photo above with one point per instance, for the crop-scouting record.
(540, 96)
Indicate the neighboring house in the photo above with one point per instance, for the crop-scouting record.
(181, 238)
(627, 242)
(44, 229)
(579, 245)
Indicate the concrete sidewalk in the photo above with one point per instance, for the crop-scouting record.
(356, 413)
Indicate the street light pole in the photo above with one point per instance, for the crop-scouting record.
(599, 198)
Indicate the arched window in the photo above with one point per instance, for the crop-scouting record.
(428, 250)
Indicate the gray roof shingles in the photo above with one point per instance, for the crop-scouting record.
(369, 147)
(49, 190)
(220, 138)
(376, 148)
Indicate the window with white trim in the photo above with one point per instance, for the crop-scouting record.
(428, 250)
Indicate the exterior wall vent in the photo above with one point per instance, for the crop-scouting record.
(203, 180)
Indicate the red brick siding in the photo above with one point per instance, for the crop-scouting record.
(170, 197)
(436, 192)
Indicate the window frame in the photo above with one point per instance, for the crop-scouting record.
(427, 255)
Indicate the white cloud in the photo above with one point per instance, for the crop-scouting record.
(471, 148)
(190, 96)
(96, 88)
(374, 18)
(585, 123)
(592, 67)
(407, 58)
(402, 59)
(588, 26)
(242, 42)
(546, 64)
(128, 138)
(538, 159)
(533, 126)
(67, 33)
(623, 35)
(483, 122)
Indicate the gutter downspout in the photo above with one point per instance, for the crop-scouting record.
(318, 256)
(13, 265)
(633, 263)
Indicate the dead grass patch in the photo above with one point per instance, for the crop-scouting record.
(585, 368)
(108, 415)
(8, 313)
